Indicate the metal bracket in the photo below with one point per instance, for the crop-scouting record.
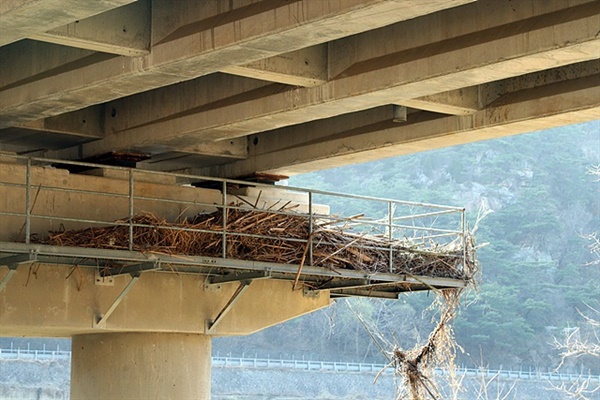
(212, 288)
(107, 277)
(349, 284)
(100, 320)
(250, 276)
(7, 277)
(13, 263)
(311, 293)
(365, 293)
(103, 280)
(132, 269)
(16, 260)
(212, 324)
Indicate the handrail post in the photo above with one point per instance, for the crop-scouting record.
(310, 228)
(225, 212)
(28, 203)
(463, 223)
(390, 234)
(131, 209)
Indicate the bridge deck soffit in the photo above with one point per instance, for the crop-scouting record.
(231, 89)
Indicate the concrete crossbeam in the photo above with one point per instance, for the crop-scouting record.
(86, 123)
(54, 306)
(23, 18)
(256, 32)
(183, 306)
(236, 148)
(560, 38)
(38, 58)
(197, 95)
(124, 31)
(366, 136)
(455, 102)
(305, 67)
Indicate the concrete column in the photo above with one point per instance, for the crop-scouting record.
(140, 366)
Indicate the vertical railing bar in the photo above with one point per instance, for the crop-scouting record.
(390, 235)
(28, 203)
(131, 209)
(463, 224)
(310, 228)
(225, 210)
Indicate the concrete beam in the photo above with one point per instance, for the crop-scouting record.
(41, 59)
(360, 138)
(124, 31)
(134, 111)
(86, 123)
(24, 18)
(305, 67)
(246, 35)
(236, 148)
(560, 37)
(455, 102)
(39, 308)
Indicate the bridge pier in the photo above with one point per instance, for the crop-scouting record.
(140, 366)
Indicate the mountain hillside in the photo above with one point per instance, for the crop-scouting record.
(535, 274)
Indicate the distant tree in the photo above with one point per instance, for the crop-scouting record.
(583, 342)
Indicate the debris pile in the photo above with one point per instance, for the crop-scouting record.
(272, 237)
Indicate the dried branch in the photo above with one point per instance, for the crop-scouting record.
(274, 236)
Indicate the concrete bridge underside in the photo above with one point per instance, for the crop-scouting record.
(252, 88)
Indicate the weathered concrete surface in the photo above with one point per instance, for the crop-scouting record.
(222, 77)
(248, 34)
(124, 31)
(140, 366)
(393, 74)
(41, 301)
(305, 67)
(22, 18)
(372, 135)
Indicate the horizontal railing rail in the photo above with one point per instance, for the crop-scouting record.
(327, 366)
(31, 354)
(337, 366)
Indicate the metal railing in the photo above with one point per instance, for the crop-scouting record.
(336, 366)
(423, 226)
(328, 366)
(31, 354)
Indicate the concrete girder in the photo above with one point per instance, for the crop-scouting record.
(471, 99)
(353, 54)
(259, 31)
(192, 96)
(543, 107)
(124, 31)
(24, 18)
(557, 38)
(236, 148)
(183, 306)
(38, 58)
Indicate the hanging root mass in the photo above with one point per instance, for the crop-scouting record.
(416, 367)
(271, 237)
